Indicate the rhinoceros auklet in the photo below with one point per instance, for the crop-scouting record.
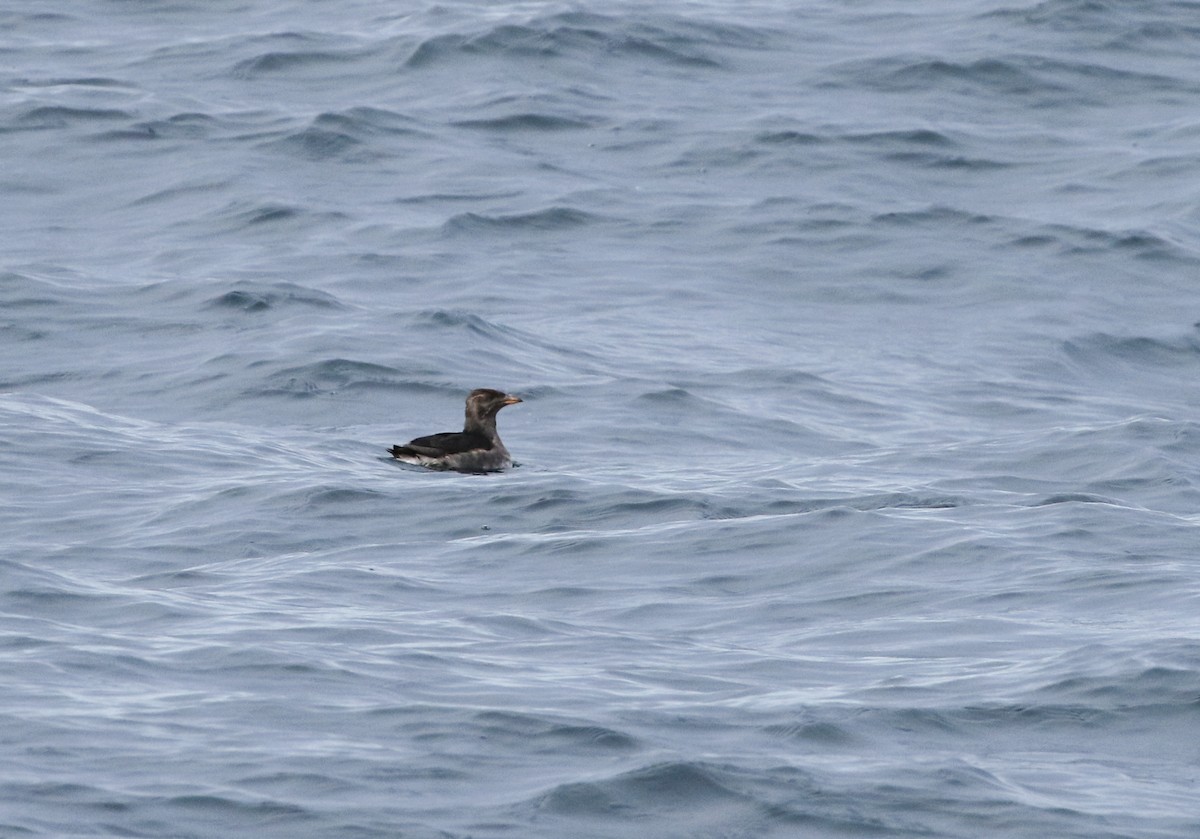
(477, 448)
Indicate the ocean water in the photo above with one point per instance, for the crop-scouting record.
(859, 462)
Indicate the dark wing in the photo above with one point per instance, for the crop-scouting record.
(440, 445)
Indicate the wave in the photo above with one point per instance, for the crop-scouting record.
(910, 73)
(250, 215)
(1048, 81)
(583, 36)
(330, 376)
(289, 61)
(185, 126)
(885, 796)
(790, 137)
(353, 134)
(813, 733)
(548, 219)
(316, 144)
(1074, 498)
(1138, 690)
(920, 146)
(19, 291)
(1125, 27)
(457, 196)
(595, 518)
(550, 734)
(104, 82)
(366, 120)
(182, 192)
(254, 297)
(1141, 244)
(530, 121)
(62, 116)
(1157, 354)
(547, 358)
(455, 319)
(936, 215)
(687, 788)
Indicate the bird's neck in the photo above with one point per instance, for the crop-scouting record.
(481, 425)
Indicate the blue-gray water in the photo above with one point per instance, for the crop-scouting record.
(860, 462)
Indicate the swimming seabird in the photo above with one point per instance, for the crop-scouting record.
(477, 448)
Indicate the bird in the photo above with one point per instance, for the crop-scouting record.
(477, 448)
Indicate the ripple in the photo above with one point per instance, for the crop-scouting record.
(583, 36)
(290, 61)
(1134, 350)
(526, 122)
(549, 219)
(329, 376)
(652, 790)
(62, 116)
(317, 144)
(253, 298)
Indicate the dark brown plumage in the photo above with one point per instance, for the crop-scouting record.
(477, 448)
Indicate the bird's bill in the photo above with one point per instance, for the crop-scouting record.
(511, 400)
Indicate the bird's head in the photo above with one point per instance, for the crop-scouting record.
(484, 402)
